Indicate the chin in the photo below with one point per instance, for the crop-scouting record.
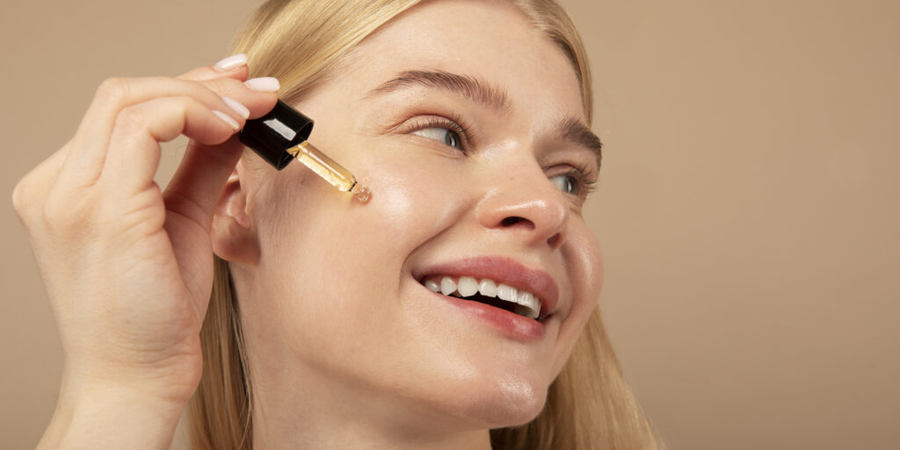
(500, 403)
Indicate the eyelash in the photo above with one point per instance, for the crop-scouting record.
(586, 179)
(454, 123)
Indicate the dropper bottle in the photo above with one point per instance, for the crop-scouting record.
(282, 135)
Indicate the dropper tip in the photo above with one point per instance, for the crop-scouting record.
(362, 193)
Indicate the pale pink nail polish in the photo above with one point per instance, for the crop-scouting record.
(263, 84)
(236, 106)
(227, 119)
(231, 62)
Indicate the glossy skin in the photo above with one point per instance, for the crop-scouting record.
(347, 349)
(346, 346)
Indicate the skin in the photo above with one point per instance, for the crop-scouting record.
(345, 351)
(398, 367)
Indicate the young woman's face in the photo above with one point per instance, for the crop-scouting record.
(468, 127)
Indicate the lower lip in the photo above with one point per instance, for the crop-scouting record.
(511, 324)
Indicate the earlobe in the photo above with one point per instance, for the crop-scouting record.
(233, 238)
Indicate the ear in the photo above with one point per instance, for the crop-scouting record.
(233, 238)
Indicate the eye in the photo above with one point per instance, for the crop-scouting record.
(445, 136)
(566, 183)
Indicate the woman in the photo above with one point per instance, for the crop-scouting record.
(333, 323)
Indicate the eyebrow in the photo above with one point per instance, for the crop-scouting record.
(574, 130)
(469, 87)
(569, 129)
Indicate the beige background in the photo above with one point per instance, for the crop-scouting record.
(748, 204)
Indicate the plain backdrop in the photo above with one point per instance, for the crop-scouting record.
(748, 204)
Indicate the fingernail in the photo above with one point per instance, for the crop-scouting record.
(263, 84)
(227, 119)
(236, 106)
(231, 62)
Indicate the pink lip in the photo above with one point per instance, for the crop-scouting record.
(502, 270)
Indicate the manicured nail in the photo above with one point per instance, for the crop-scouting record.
(236, 106)
(263, 84)
(227, 119)
(231, 62)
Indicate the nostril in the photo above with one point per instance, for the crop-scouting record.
(510, 221)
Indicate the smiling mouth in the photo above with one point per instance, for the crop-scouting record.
(489, 292)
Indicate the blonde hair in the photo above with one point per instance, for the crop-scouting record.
(589, 406)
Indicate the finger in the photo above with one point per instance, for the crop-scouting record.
(259, 103)
(86, 157)
(32, 190)
(134, 150)
(197, 184)
(88, 152)
(234, 67)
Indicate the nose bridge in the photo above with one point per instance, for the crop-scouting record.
(520, 200)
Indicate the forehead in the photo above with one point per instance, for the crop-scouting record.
(488, 40)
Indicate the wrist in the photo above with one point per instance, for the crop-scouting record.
(111, 417)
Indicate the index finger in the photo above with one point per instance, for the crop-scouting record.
(234, 66)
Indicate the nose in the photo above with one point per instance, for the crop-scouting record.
(524, 204)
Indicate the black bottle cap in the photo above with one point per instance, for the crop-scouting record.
(270, 136)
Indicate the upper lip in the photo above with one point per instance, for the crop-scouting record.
(502, 270)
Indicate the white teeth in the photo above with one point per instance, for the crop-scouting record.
(527, 304)
(527, 299)
(507, 293)
(467, 286)
(448, 286)
(488, 288)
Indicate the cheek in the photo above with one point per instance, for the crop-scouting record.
(584, 264)
(333, 265)
(415, 196)
(408, 199)
(590, 259)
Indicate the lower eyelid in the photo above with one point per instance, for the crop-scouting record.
(437, 147)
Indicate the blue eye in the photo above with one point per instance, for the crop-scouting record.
(566, 183)
(445, 136)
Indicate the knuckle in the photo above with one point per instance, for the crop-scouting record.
(20, 197)
(28, 195)
(182, 104)
(130, 119)
(176, 105)
(112, 89)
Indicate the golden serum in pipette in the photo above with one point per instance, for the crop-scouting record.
(282, 135)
